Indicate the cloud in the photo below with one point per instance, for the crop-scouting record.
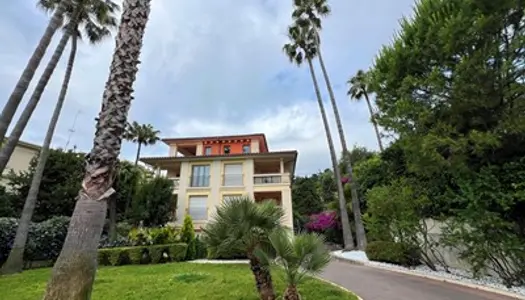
(212, 67)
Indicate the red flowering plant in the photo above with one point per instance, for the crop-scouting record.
(323, 221)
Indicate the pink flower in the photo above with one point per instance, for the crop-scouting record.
(322, 221)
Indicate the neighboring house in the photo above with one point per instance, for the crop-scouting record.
(210, 170)
(21, 158)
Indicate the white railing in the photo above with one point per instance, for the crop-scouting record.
(277, 178)
(176, 181)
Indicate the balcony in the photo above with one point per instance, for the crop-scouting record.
(277, 178)
(200, 181)
(176, 182)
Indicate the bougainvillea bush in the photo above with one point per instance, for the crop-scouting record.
(323, 221)
(328, 224)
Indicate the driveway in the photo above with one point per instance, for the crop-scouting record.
(375, 284)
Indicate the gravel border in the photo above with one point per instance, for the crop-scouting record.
(456, 276)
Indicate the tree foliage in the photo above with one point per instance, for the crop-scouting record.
(450, 88)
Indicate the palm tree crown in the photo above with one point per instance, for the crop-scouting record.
(299, 255)
(301, 46)
(141, 134)
(358, 85)
(94, 18)
(241, 225)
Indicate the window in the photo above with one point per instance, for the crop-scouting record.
(200, 176)
(246, 149)
(207, 151)
(226, 198)
(226, 149)
(198, 207)
(233, 175)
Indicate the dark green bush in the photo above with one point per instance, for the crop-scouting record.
(44, 242)
(201, 250)
(154, 254)
(393, 253)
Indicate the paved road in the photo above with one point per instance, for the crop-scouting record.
(375, 284)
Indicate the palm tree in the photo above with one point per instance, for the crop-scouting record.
(142, 134)
(25, 79)
(307, 14)
(16, 133)
(242, 226)
(302, 46)
(300, 255)
(74, 271)
(359, 89)
(95, 24)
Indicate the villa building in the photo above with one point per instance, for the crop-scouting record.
(210, 170)
(21, 158)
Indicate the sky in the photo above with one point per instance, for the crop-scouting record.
(211, 68)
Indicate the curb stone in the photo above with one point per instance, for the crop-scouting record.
(435, 278)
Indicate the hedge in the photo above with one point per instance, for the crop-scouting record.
(154, 254)
(44, 242)
(393, 253)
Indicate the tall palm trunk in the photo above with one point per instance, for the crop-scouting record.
(21, 124)
(15, 261)
(25, 79)
(347, 231)
(373, 118)
(356, 207)
(263, 279)
(74, 271)
(138, 153)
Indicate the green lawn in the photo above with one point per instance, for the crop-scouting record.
(181, 281)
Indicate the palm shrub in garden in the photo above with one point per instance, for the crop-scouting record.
(241, 225)
(300, 255)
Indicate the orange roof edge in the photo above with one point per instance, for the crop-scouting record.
(260, 136)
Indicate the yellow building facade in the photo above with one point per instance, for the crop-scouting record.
(210, 170)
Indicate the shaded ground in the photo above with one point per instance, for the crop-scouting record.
(375, 284)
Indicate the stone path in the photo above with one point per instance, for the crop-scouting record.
(376, 284)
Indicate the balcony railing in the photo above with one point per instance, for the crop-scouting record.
(232, 180)
(200, 181)
(267, 178)
(176, 182)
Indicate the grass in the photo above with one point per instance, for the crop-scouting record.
(181, 281)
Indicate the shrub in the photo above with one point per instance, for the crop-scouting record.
(394, 253)
(139, 237)
(44, 242)
(187, 235)
(163, 235)
(7, 235)
(322, 221)
(48, 238)
(201, 250)
(153, 203)
(153, 236)
(154, 254)
(120, 241)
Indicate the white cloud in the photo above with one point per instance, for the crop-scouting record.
(212, 67)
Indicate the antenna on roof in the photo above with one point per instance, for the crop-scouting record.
(72, 129)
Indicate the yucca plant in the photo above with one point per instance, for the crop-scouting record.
(300, 255)
(243, 226)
